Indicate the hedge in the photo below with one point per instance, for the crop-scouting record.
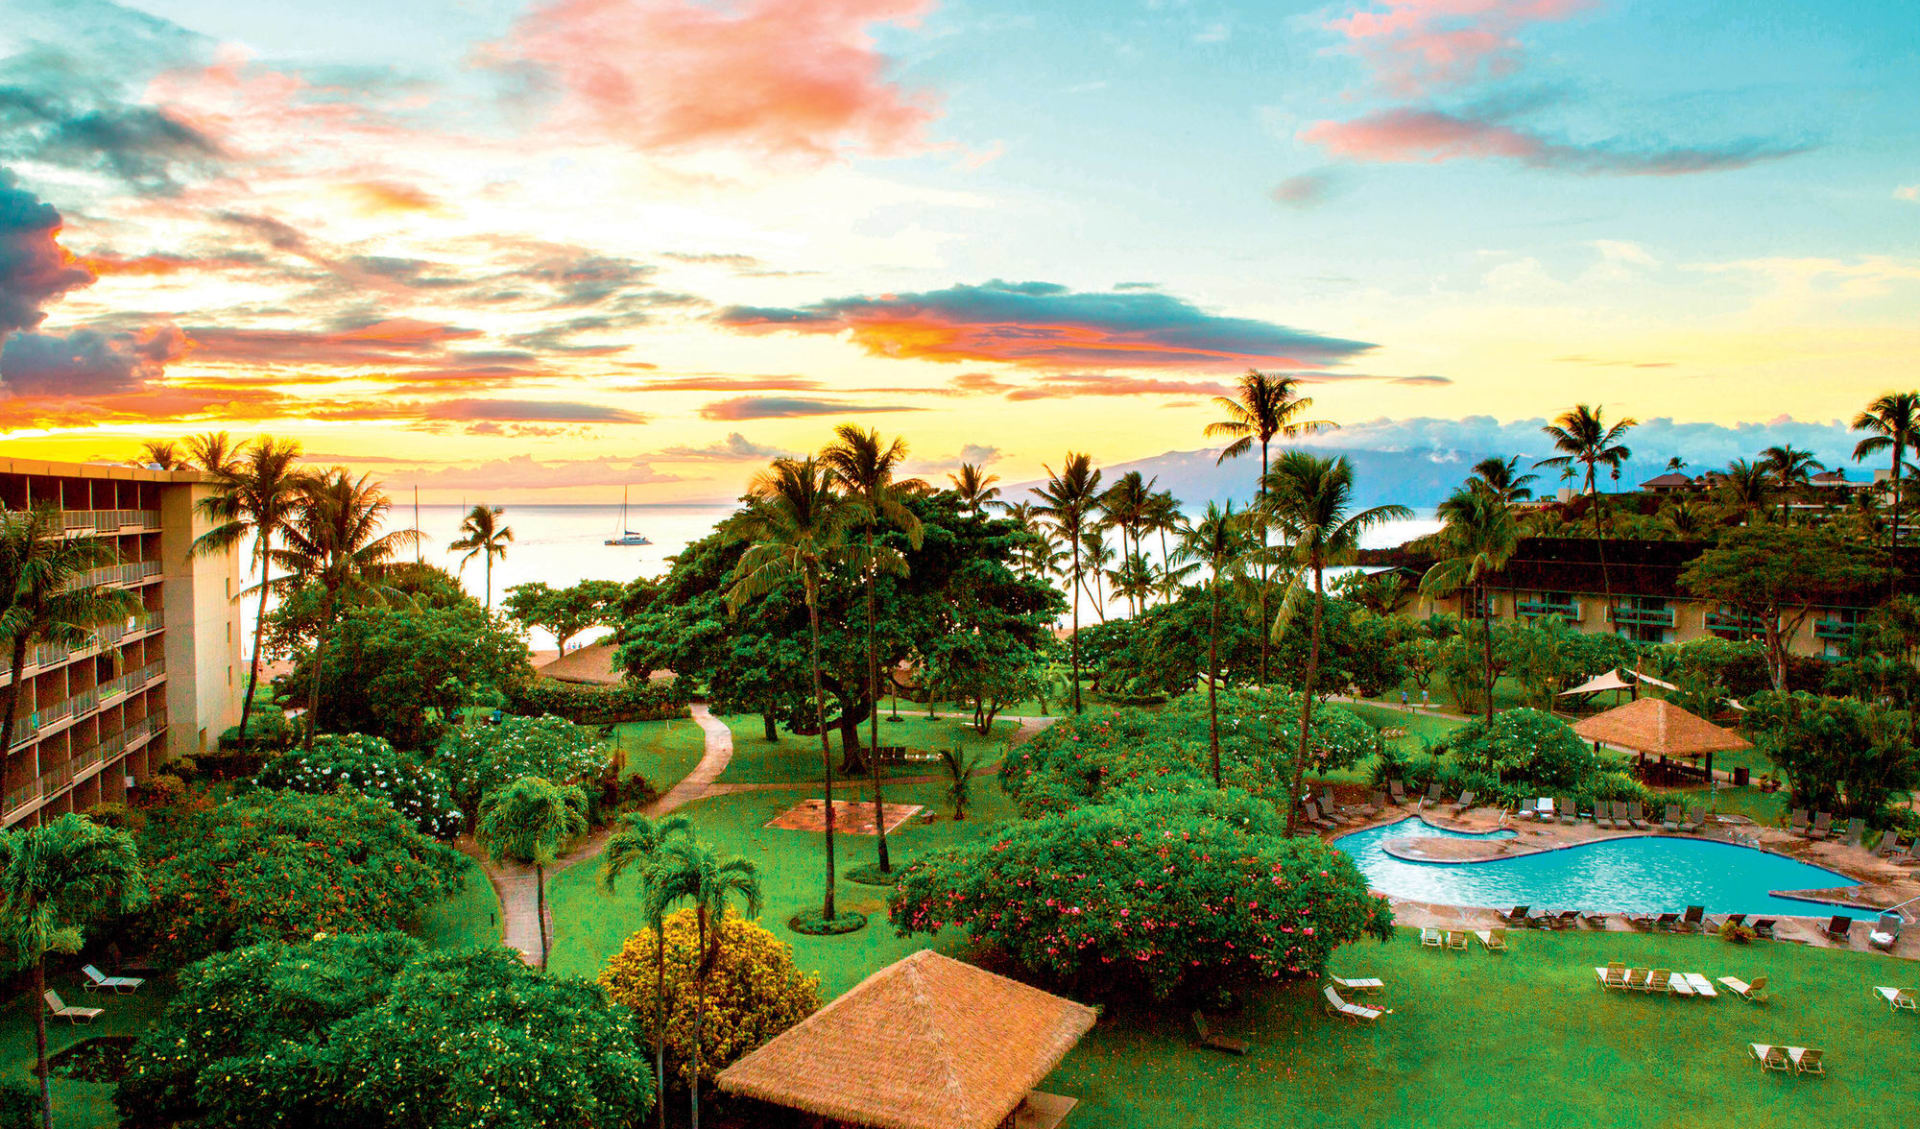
(598, 705)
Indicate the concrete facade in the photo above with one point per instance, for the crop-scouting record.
(97, 719)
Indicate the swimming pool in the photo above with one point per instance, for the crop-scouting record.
(1638, 874)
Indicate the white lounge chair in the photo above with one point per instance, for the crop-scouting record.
(1431, 939)
(1612, 976)
(1358, 983)
(70, 1014)
(1358, 1013)
(1770, 1057)
(1752, 993)
(1701, 986)
(120, 985)
(1898, 998)
(1492, 940)
(1806, 1060)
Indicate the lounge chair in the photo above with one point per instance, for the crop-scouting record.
(1885, 932)
(1612, 976)
(1696, 821)
(1492, 940)
(1596, 918)
(1716, 924)
(1673, 819)
(1799, 824)
(1516, 916)
(1840, 928)
(1603, 814)
(1856, 831)
(1312, 812)
(1358, 1013)
(1329, 807)
(1566, 919)
(1898, 998)
(1568, 813)
(1702, 987)
(1636, 816)
(1822, 825)
(1691, 922)
(1763, 927)
(1753, 993)
(1541, 919)
(1358, 983)
(1637, 979)
(1207, 1038)
(1666, 922)
(1660, 981)
(1434, 795)
(1457, 940)
(1770, 1057)
(71, 1014)
(119, 985)
(1466, 803)
(1643, 920)
(1806, 1060)
(1396, 792)
(1679, 985)
(1431, 939)
(1891, 843)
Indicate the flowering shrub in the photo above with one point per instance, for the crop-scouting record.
(369, 765)
(1167, 894)
(754, 992)
(1081, 760)
(599, 705)
(1526, 746)
(372, 1031)
(480, 758)
(277, 866)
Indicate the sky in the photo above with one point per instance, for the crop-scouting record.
(540, 251)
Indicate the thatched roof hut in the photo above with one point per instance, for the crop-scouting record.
(927, 1042)
(1657, 726)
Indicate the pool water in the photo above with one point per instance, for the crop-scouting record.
(1638, 874)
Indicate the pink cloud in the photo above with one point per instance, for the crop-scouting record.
(791, 77)
(1415, 46)
(1405, 135)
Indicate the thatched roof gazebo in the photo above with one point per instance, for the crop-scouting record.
(927, 1042)
(1658, 727)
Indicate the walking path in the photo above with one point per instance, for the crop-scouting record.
(516, 885)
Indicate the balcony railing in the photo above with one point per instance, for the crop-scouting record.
(1643, 617)
(47, 655)
(30, 727)
(1838, 630)
(51, 782)
(1725, 623)
(108, 521)
(1566, 609)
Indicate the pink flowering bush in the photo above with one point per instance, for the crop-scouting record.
(1168, 894)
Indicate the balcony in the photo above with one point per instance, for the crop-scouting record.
(83, 522)
(1567, 609)
(45, 656)
(29, 728)
(1735, 626)
(1835, 630)
(18, 801)
(1642, 617)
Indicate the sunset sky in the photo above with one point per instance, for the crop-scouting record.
(533, 251)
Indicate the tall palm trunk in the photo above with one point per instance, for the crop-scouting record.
(1893, 553)
(660, 1018)
(1213, 677)
(12, 706)
(319, 658)
(40, 1038)
(488, 549)
(700, 999)
(1073, 641)
(259, 626)
(873, 711)
(826, 748)
(540, 909)
(1166, 570)
(1265, 628)
(1306, 706)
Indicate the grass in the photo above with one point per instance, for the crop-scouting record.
(590, 926)
(471, 917)
(1504, 1040)
(76, 1105)
(795, 759)
(661, 752)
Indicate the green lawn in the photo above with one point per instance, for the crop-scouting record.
(471, 917)
(796, 759)
(590, 926)
(661, 752)
(76, 1105)
(1526, 1038)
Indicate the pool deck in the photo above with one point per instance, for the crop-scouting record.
(1879, 883)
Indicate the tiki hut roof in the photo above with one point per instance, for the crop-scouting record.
(927, 1042)
(591, 665)
(1657, 726)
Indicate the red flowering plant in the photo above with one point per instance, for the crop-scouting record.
(1082, 760)
(1174, 895)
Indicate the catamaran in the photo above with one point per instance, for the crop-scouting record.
(627, 536)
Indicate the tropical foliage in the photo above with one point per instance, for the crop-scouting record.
(370, 766)
(478, 759)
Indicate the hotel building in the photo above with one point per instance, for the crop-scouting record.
(95, 720)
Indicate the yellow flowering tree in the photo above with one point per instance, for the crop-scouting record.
(753, 990)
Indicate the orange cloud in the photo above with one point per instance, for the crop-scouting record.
(385, 197)
(792, 77)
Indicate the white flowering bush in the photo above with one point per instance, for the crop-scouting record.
(372, 767)
(477, 759)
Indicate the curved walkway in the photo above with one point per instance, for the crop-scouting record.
(516, 886)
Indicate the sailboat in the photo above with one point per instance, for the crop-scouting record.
(627, 536)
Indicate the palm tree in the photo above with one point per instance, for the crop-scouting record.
(1676, 464)
(638, 844)
(1066, 503)
(1743, 489)
(1268, 406)
(1096, 557)
(482, 535)
(863, 466)
(1892, 422)
(1502, 478)
(46, 595)
(335, 541)
(688, 871)
(975, 487)
(1310, 500)
(214, 452)
(1126, 506)
(531, 820)
(1587, 442)
(155, 453)
(1219, 541)
(256, 496)
(1479, 538)
(1789, 467)
(1134, 579)
(54, 880)
(797, 526)
(1164, 517)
